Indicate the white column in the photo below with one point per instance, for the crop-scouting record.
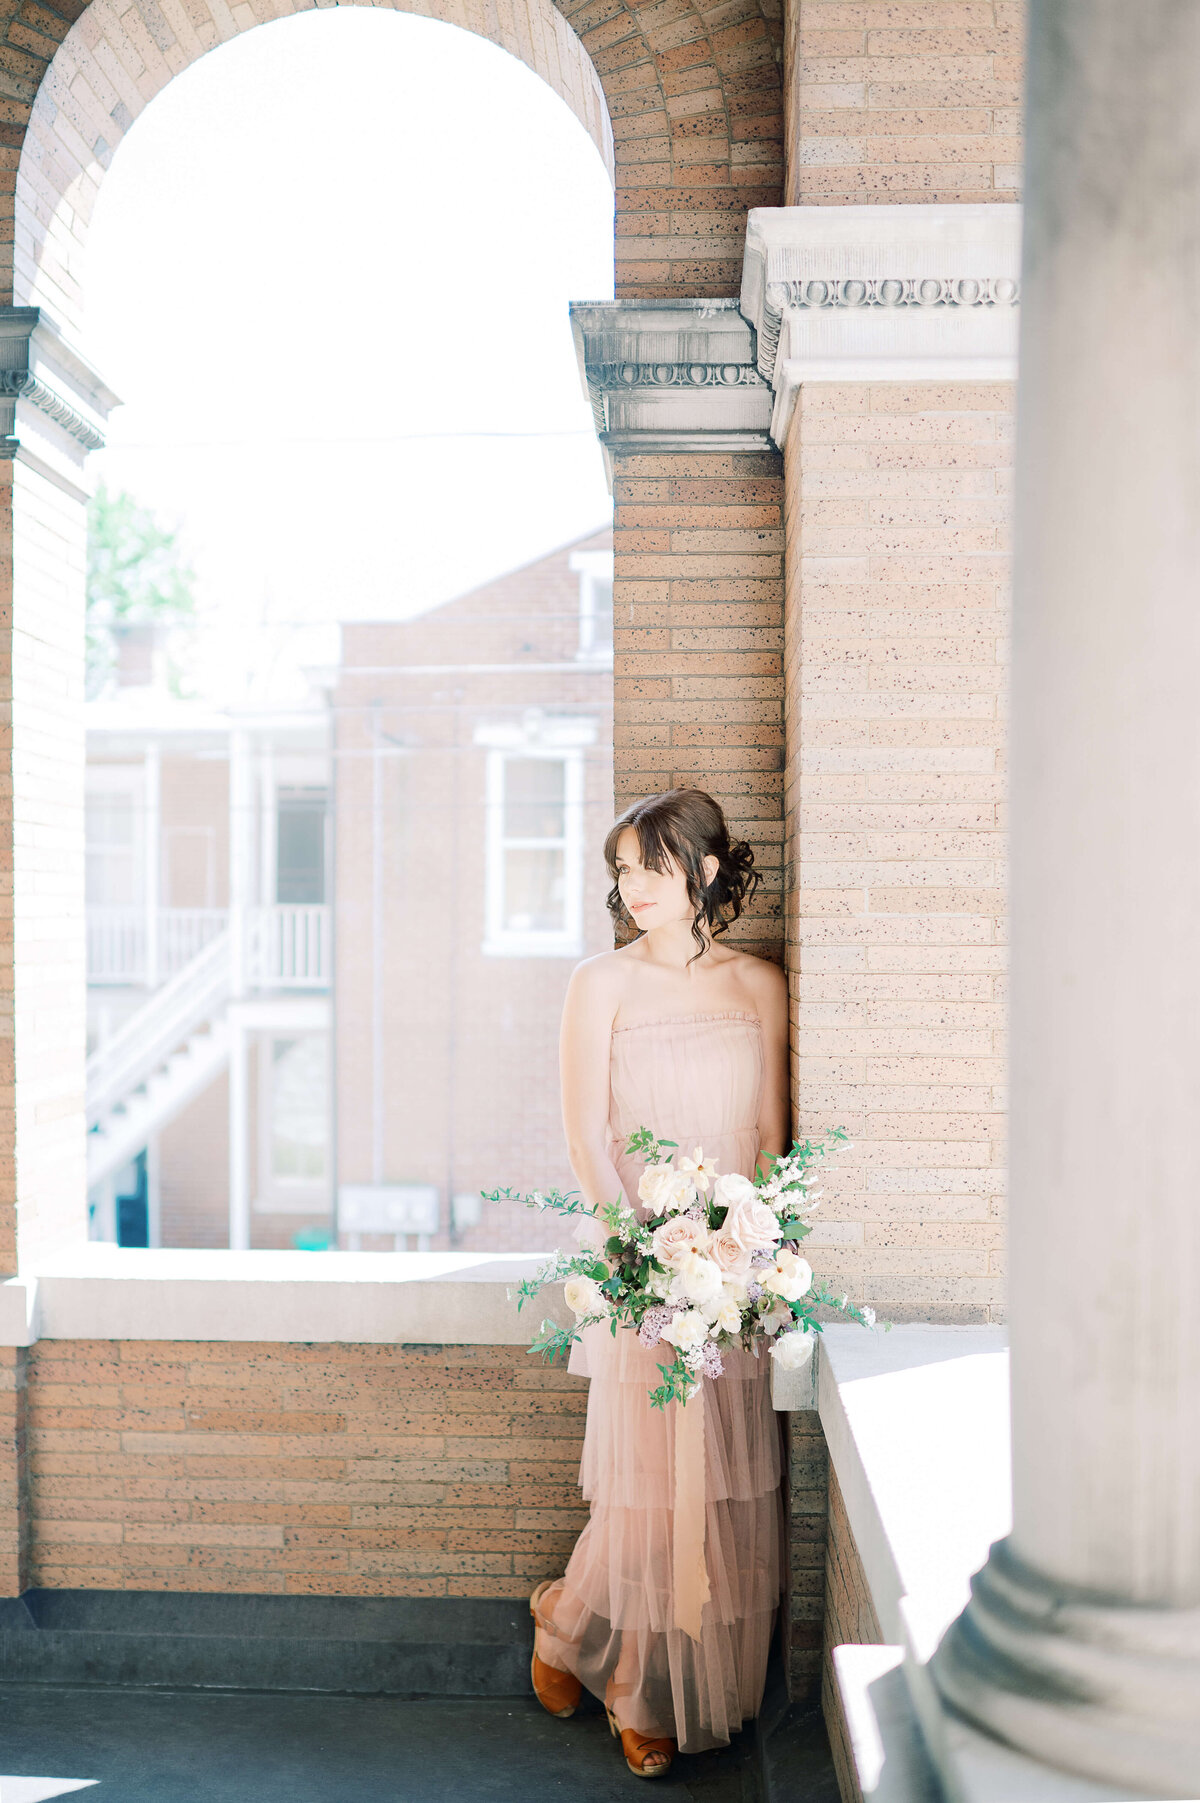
(1082, 1641)
(152, 860)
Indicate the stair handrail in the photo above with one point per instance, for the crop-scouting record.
(194, 994)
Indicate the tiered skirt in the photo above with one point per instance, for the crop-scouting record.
(611, 1618)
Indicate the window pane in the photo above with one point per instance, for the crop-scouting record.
(300, 867)
(299, 1107)
(534, 798)
(602, 613)
(109, 829)
(534, 892)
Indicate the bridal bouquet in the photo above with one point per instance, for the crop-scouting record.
(715, 1266)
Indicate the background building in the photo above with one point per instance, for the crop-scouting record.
(247, 911)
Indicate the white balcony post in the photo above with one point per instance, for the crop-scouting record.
(1082, 1640)
(241, 876)
(152, 859)
(241, 861)
(239, 1137)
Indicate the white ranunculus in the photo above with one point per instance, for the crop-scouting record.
(790, 1277)
(792, 1351)
(697, 1279)
(686, 1330)
(729, 1318)
(582, 1297)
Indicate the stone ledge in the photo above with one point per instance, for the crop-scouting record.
(916, 1422)
(103, 1292)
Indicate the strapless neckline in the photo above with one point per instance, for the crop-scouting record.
(676, 1020)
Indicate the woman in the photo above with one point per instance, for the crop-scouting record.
(680, 1034)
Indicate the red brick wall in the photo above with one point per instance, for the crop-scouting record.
(14, 1497)
(698, 637)
(897, 622)
(470, 1040)
(918, 100)
(305, 1469)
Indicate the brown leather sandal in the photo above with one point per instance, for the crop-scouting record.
(557, 1692)
(639, 1750)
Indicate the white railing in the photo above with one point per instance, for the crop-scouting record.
(291, 946)
(193, 996)
(116, 942)
(116, 945)
(184, 932)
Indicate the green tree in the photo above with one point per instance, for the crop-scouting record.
(136, 576)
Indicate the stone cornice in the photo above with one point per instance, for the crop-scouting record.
(893, 293)
(671, 376)
(23, 385)
(52, 403)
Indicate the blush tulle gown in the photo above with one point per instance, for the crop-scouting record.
(613, 1619)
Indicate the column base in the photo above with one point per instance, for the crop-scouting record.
(1092, 1686)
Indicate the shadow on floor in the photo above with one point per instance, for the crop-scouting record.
(150, 1746)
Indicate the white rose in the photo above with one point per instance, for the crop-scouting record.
(792, 1351)
(686, 1330)
(665, 1190)
(582, 1297)
(729, 1318)
(789, 1277)
(733, 1188)
(697, 1279)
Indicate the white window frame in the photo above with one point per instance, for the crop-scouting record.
(128, 780)
(593, 568)
(500, 941)
(288, 1195)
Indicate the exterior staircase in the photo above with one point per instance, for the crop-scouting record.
(163, 1056)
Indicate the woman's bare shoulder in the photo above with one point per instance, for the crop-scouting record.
(764, 981)
(602, 978)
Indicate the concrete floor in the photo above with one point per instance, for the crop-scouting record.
(150, 1746)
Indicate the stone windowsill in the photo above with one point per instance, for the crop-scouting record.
(104, 1292)
(917, 1426)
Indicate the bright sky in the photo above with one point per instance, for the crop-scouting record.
(328, 274)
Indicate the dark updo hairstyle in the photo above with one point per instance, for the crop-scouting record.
(685, 826)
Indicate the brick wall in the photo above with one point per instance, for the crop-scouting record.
(458, 1113)
(806, 1490)
(850, 1620)
(698, 670)
(14, 1496)
(301, 1469)
(903, 100)
(896, 622)
(693, 93)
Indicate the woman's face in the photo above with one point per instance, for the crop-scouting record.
(654, 898)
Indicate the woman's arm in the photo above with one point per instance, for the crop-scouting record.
(584, 1054)
(774, 1115)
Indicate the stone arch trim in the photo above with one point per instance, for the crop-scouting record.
(692, 92)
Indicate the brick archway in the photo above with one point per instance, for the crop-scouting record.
(693, 95)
